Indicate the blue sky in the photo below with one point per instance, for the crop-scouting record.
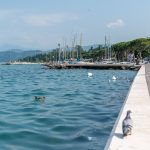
(42, 24)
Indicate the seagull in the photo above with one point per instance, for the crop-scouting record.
(127, 124)
(39, 98)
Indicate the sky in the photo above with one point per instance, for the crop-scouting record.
(42, 24)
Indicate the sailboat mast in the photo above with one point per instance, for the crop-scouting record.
(105, 48)
(80, 44)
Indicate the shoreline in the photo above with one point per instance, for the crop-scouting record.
(94, 66)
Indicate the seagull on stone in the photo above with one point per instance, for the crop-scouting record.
(127, 124)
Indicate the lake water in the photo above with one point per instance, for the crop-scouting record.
(78, 112)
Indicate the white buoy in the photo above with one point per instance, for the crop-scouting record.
(114, 78)
(90, 74)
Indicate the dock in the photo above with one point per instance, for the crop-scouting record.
(93, 66)
(138, 101)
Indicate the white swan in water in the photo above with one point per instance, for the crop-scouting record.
(114, 78)
(90, 74)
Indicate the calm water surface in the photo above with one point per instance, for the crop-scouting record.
(77, 114)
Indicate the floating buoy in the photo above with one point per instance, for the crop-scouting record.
(90, 74)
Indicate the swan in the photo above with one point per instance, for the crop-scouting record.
(114, 78)
(90, 74)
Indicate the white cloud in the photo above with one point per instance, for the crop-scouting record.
(43, 20)
(4, 14)
(116, 24)
(36, 19)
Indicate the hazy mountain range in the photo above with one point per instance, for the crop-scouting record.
(14, 54)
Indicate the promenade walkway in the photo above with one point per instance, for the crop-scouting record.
(138, 101)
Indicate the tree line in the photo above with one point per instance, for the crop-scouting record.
(119, 52)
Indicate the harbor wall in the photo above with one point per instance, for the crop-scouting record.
(138, 101)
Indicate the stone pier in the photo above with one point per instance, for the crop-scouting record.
(138, 101)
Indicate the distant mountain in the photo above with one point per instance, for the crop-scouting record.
(14, 54)
(6, 47)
